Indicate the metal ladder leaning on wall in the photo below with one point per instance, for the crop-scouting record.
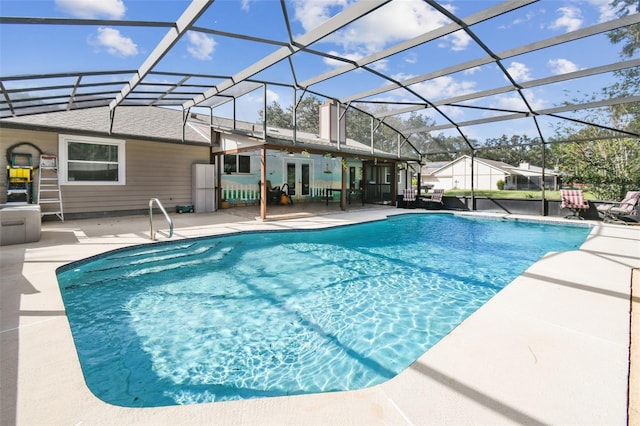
(49, 186)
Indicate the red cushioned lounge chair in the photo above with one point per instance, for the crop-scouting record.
(625, 211)
(435, 202)
(409, 197)
(573, 199)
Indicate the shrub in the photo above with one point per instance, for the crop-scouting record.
(500, 184)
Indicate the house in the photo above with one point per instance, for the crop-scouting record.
(112, 164)
(528, 177)
(457, 174)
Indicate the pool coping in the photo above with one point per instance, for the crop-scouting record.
(552, 347)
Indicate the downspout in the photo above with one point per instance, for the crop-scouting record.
(212, 137)
(234, 113)
(185, 117)
(112, 116)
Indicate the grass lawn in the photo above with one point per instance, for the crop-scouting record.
(549, 195)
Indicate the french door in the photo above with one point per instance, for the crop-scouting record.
(298, 174)
(378, 179)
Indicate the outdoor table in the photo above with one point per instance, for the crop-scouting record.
(328, 193)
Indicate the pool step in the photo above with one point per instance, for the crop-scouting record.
(135, 265)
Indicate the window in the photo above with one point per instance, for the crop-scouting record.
(91, 161)
(387, 174)
(237, 164)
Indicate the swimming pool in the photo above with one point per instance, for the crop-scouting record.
(280, 313)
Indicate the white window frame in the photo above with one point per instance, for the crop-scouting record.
(63, 155)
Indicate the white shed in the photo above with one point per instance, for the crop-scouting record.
(456, 174)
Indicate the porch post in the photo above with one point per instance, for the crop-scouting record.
(263, 184)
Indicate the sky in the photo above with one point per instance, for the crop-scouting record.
(31, 49)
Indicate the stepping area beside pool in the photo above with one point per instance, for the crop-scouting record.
(551, 348)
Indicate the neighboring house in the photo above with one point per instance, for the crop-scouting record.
(457, 174)
(113, 164)
(528, 177)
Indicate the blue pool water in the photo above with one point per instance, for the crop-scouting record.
(280, 313)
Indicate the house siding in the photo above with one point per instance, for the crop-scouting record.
(153, 170)
(45, 141)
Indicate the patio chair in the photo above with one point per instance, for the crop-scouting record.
(573, 199)
(435, 202)
(273, 193)
(624, 211)
(409, 198)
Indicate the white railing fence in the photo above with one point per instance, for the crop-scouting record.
(250, 193)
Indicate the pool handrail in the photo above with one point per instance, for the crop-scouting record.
(152, 233)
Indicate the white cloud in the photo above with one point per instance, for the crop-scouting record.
(443, 87)
(411, 58)
(395, 22)
(245, 4)
(471, 71)
(459, 40)
(311, 13)
(606, 11)
(337, 63)
(561, 66)
(526, 18)
(513, 102)
(91, 9)
(570, 19)
(200, 46)
(518, 71)
(115, 43)
(380, 65)
(272, 97)
(402, 76)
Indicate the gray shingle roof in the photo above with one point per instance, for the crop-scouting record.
(149, 123)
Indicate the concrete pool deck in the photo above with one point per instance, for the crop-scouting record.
(553, 347)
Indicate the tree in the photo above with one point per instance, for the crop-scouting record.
(307, 114)
(629, 36)
(514, 150)
(610, 163)
(277, 117)
(358, 126)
